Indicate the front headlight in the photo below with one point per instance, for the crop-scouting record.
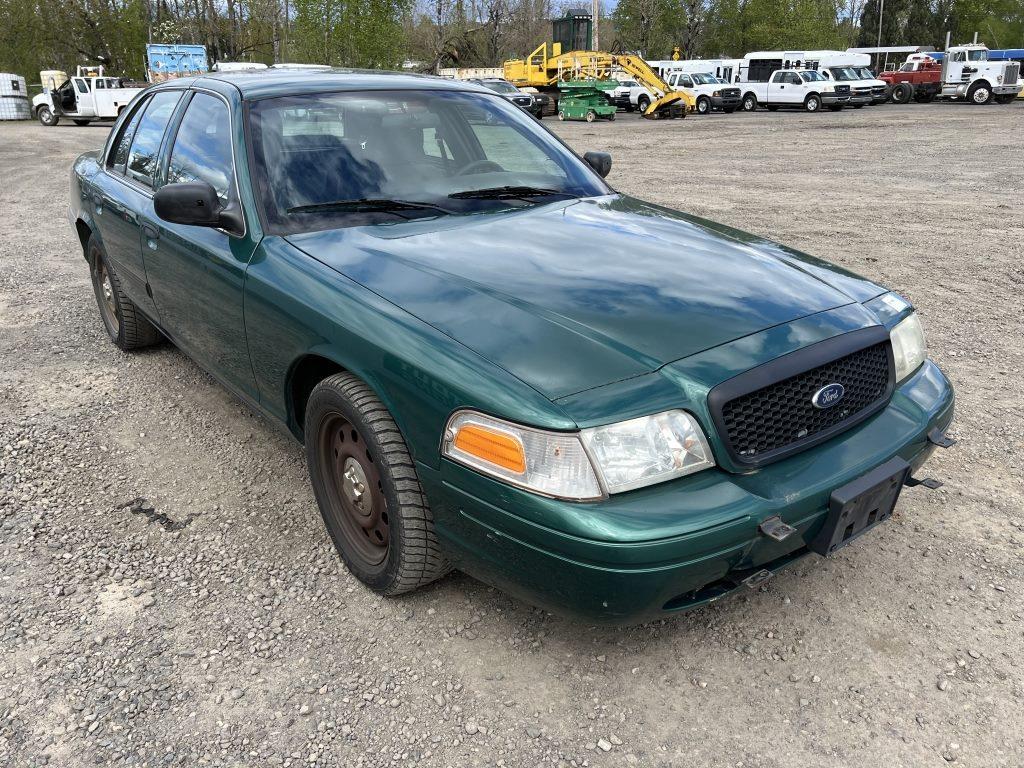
(627, 455)
(648, 450)
(908, 346)
(716, 94)
(828, 88)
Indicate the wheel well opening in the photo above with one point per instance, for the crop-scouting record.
(307, 373)
(84, 233)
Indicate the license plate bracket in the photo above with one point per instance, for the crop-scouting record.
(860, 505)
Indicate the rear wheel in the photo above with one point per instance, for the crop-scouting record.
(812, 103)
(366, 486)
(590, 116)
(749, 102)
(47, 117)
(127, 327)
(902, 92)
(979, 93)
(703, 105)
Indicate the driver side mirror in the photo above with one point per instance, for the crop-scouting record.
(601, 162)
(195, 203)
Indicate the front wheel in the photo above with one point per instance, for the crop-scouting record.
(561, 115)
(902, 92)
(366, 485)
(703, 105)
(47, 117)
(812, 103)
(749, 102)
(979, 93)
(591, 116)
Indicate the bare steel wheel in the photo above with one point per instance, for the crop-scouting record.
(367, 488)
(128, 328)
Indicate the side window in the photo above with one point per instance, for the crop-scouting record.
(202, 148)
(118, 157)
(779, 77)
(82, 85)
(101, 84)
(143, 159)
(794, 78)
(687, 82)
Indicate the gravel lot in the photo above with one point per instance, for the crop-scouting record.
(168, 594)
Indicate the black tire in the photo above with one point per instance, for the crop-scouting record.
(812, 103)
(980, 93)
(81, 122)
(1005, 98)
(703, 106)
(348, 426)
(47, 117)
(749, 103)
(642, 104)
(902, 93)
(127, 327)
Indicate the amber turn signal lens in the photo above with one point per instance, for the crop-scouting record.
(493, 447)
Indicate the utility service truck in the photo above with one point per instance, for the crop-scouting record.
(805, 89)
(85, 98)
(964, 73)
(707, 92)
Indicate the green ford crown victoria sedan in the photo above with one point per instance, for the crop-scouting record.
(495, 362)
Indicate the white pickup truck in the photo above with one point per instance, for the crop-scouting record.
(708, 92)
(83, 99)
(802, 88)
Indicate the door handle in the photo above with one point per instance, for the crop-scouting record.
(150, 231)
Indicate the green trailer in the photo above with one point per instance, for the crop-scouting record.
(586, 100)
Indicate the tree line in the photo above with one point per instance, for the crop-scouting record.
(429, 34)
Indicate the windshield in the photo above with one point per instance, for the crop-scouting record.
(843, 73)
(499, 87)
(977, 55)
(703, 79)
(461, 152)
(866, 73)
(812, 76)
(627, 83)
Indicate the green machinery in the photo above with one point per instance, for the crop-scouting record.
(586, 100)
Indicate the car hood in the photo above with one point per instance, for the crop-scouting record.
(572, 295)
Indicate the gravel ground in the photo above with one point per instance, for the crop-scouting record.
(168, 594)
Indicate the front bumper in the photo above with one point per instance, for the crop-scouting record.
(861, 99)
(831, 99)
(666, 548)
(725, 102)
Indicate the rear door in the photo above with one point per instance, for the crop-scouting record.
(126, 188)
(197, 273)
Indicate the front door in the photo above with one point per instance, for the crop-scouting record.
(197, 273)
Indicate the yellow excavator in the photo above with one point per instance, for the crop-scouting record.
(547, 66)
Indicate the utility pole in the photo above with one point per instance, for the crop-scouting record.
(881, 10)
(595, 12)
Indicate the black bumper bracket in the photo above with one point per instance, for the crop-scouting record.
(940, 438)
(929, 482)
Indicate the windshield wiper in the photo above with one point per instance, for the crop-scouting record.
(507, 193)
(368, 205)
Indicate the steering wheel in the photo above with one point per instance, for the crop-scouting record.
(479, 166)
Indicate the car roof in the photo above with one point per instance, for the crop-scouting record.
(267, 83)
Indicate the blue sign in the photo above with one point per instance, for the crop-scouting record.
(166, 61)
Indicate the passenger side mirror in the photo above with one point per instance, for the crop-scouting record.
(194, 203)
(599, 161)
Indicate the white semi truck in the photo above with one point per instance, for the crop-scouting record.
(85, 98)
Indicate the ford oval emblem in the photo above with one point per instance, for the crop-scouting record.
(828, 395)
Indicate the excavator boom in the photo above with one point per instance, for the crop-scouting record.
(540, 70)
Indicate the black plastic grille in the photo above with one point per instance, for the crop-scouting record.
(781, 414)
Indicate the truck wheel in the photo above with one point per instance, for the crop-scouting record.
(703, 105)
(46, 117)
(127, 328)
(888, 94)
(812, 103)
(643, 103)
(367, 489)
(979, 93)
(749, 103)
(590, 116)
(902, 92)
(561, 115)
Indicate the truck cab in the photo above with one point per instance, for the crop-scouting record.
(861, 93)
(968, 73)
(706, 90)
(87, 97)
(801, 88)
(879, 88)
